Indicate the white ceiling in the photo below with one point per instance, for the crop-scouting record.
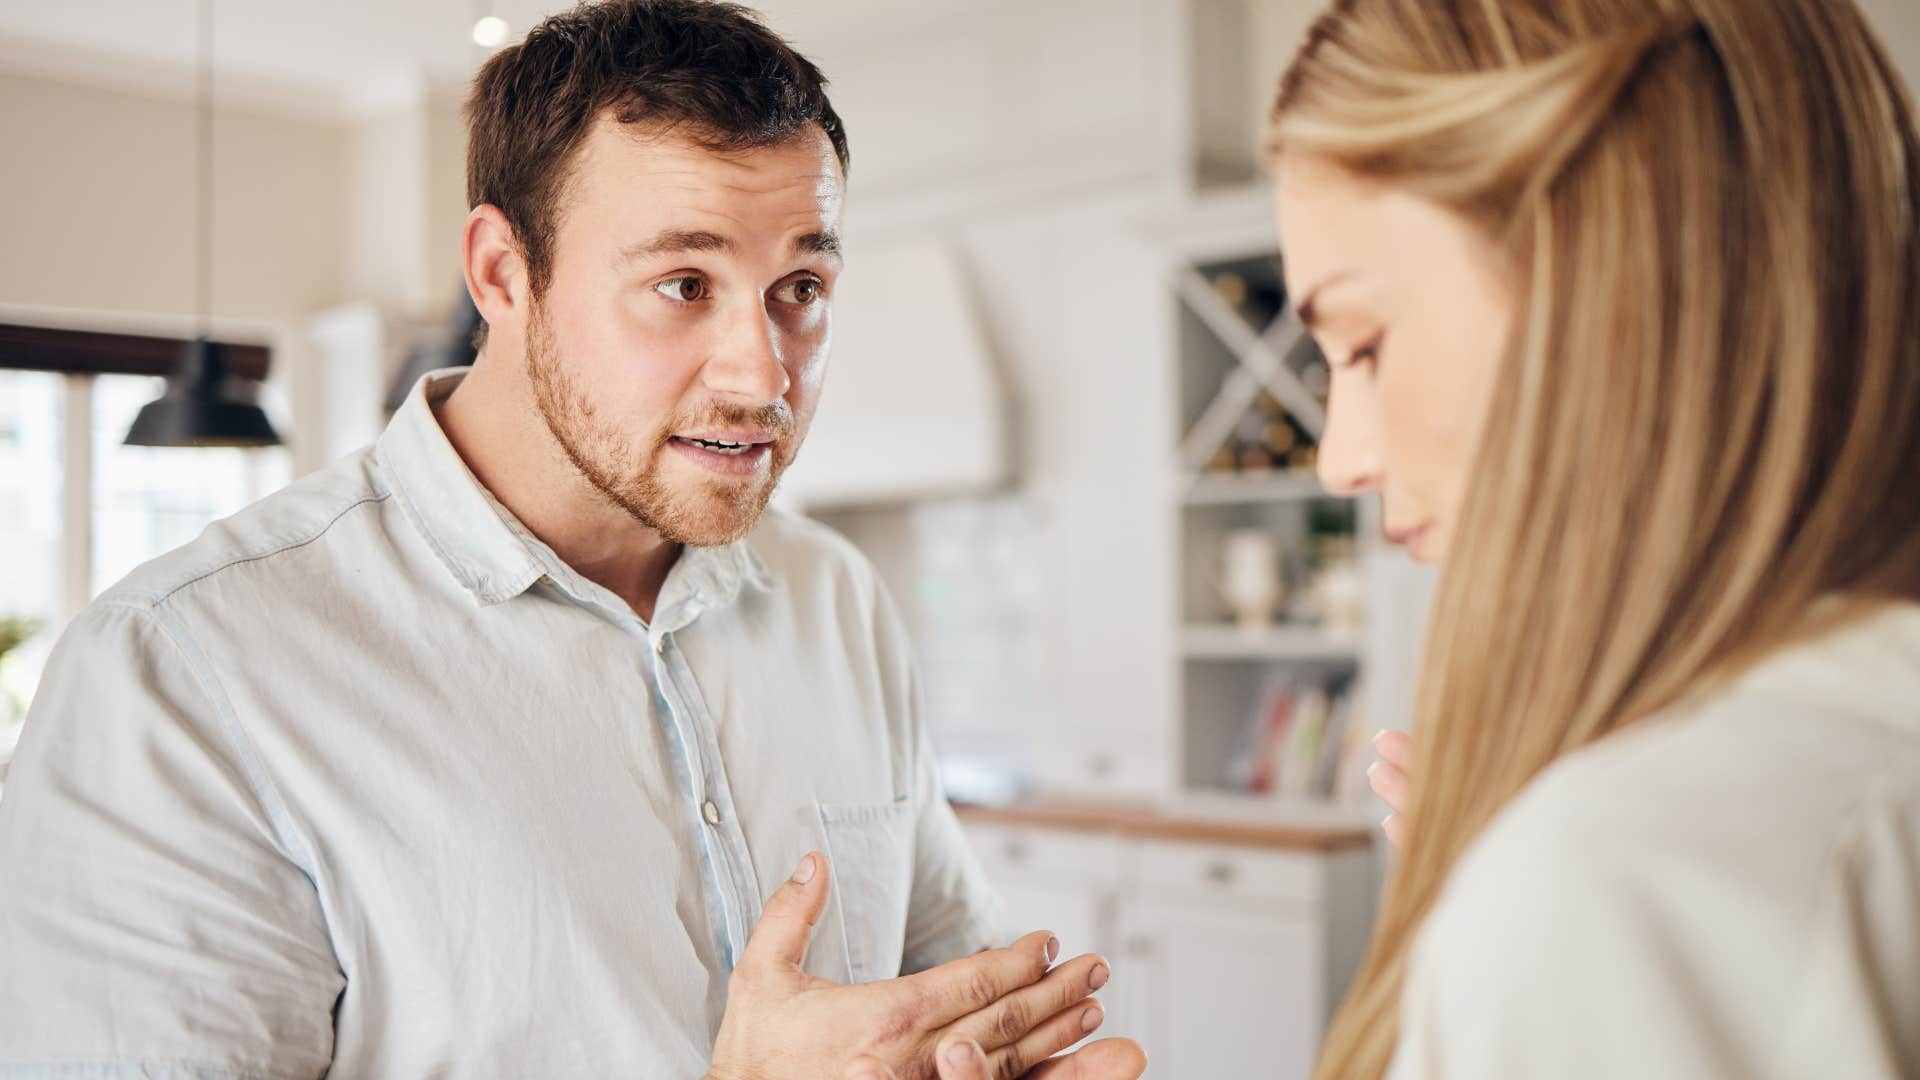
(338, 51)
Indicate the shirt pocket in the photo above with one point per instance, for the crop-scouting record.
(871, 846)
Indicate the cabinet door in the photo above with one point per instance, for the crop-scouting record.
(1051, 880)
(1072, 913)
(1222, 993)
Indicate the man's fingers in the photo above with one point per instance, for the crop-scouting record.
(1108, 1059)
(1063, 1029)
(1390, 783)
(1009, 1020)
(951, 991)
(867, 1068)
(786, 923)
(962, 1059)
(1395, 748)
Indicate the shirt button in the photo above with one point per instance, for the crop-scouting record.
(659, 646)
(711, 812)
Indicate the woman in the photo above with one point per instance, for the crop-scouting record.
(1658, 261)
(1623, 298)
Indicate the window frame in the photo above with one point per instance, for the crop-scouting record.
(79, 356)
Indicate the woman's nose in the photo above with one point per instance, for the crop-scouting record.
(1351, 461)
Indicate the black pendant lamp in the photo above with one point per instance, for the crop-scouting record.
(205, 404)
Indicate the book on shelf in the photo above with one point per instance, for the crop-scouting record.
(1306, 741)
(1253, 767)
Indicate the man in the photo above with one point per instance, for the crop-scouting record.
(475, 753)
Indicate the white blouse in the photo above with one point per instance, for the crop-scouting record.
(1729, 892)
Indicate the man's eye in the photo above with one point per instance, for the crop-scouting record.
(685, 290)
(800, 291)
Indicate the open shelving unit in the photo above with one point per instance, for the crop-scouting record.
(1242, 360)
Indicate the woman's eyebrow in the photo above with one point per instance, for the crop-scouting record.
(1309, 308)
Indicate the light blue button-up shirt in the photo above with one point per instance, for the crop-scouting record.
(367, 779)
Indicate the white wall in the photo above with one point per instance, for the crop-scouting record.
(950, 96)
(97, 205)
(1898, 22)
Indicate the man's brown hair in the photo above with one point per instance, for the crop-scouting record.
(707, 70)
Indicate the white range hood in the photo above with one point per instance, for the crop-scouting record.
(915, 405)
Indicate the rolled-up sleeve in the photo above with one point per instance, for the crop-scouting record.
(157, 913)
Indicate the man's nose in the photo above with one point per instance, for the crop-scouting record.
(747, 364)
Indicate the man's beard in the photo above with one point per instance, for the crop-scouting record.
(709, 513)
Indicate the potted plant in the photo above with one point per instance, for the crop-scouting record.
(13, 708)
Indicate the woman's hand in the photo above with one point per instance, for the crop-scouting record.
(1388, 778)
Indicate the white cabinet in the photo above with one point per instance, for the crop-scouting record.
(1220, 993)
(1054, 880)
(1228, 959)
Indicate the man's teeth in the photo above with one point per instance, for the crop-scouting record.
(722, 447)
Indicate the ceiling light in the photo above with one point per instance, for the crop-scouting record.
(204, 403)
(490, 32)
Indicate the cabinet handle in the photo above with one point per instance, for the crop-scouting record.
(1017, 851)
(1140, 946)
(1221, 873)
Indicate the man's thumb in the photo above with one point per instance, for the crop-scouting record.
(962, 1059)
(786, 922)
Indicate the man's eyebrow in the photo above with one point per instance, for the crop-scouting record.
(674, 242)
(679, 241)
(817, 243)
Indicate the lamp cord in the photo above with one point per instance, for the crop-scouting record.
(204, 133)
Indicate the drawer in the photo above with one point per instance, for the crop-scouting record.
(1296, 880)
(1013, 852)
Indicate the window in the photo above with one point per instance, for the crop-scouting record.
(31, 479)
(149, 500)
(78, 510)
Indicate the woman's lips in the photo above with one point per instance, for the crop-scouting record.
(1413, 539)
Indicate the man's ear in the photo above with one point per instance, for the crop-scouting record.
(496, 271)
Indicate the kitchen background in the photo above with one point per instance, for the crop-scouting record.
(1070, 416)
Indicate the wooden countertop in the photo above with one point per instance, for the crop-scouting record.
(1321, 830)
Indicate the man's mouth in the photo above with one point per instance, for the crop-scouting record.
(739, 452)
(719, 446)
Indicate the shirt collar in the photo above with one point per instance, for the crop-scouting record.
(495, 557)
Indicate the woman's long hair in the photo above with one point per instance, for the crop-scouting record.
(1707, 415)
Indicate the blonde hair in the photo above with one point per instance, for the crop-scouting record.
(1708, 412)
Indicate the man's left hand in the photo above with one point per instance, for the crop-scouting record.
(962, 1059)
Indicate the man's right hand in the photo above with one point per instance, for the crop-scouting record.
(783, 1024)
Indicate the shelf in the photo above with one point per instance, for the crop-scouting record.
(1209, 818)
(1282, 485)
(1260, 365)
(1221, 804)
(1282, 642)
